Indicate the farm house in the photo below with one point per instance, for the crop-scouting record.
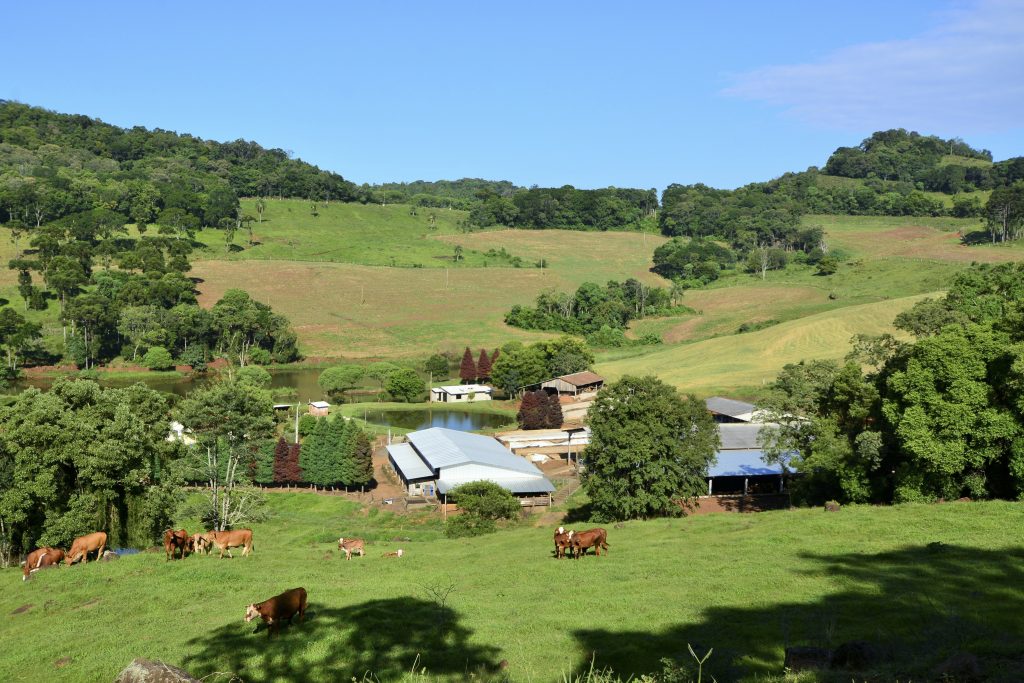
(575, 384)
(461, 393)
(434, 461)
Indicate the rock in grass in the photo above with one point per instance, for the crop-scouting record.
(804, 658)
(148, 671)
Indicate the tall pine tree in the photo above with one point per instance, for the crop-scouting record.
(265, 461)
(338, 457)
(315, 458)
(362, 459)
(553, 412)
(483, 366)
(531, 411)
(467, 369)
(292, 470)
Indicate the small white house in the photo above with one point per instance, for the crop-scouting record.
(461, 393)
(319, 408)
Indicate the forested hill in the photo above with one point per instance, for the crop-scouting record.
(53, 165)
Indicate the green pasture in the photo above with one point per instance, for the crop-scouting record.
(742, 362)
(924, 582)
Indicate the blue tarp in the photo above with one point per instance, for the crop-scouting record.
(742, 463)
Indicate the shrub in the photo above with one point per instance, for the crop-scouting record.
(254, 375)
(306, 424)
(158, 358)
(259, 356)
(486, 500)
(463, 526)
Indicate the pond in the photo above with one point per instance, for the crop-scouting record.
(424, 418)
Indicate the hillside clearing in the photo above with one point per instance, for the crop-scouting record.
(741, 361)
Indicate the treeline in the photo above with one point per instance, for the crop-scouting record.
(566, 208)
(940, 417)
(53, 165)
(443, 194)
(335, 453)
(592, 307)
(518, 366)
(79, 458)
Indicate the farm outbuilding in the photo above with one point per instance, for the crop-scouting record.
(740, 479)
(319, 408)
(461, 393)
(565, 443)
(731, 411)
(575, 384)
(434, 461)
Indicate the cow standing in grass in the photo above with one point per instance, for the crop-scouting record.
(226, 540)
(176, 542)
(352, 545)
(83, 545)
(563, 540)
(278, 608)
(591, 538)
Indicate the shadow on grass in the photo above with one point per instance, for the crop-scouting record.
(918, 607)
(382, 638)
(976, 237)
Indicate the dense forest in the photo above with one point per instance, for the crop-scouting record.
(939, 417)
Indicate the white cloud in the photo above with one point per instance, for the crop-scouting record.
(965, 76)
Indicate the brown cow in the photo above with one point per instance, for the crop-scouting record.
(394, 553)
(562, 541)
(226, 540)
(591, 538)
(352, 545)
(40, 559)
(175, 541)
(278, 608)
(83, 545)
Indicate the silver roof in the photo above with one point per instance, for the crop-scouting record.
(728, 406)
(441, 447)
(740, 436)
(513, 484)
(407, 460)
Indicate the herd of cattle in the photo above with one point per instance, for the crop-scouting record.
(577, 542)
(178, 544)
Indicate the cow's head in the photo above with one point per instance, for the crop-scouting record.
(400, 551)
(251, 613)
(571, 534)
(341, 542)
(561, 530)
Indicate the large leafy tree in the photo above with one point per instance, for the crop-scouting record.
(229, 420)
(337, 380)
(405, 384)
(519, 366)
(649, 451)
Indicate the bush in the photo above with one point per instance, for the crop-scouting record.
(828, 265)
(463, 526)
(195, 356)
(254, 375)
(259, 356)
(486, 500)
(306, 424)
(158, 358)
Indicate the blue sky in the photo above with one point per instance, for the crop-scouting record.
(592, 94)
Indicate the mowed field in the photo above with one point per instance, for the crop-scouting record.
(923, 581)
(746, 361)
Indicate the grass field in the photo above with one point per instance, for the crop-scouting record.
(923, 581)
(743, 361)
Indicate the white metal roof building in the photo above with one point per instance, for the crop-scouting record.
(436, 460)
(458, 393)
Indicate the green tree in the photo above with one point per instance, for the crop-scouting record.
(315, 456)
(482, 504)
(405, 384)
(158, 358)
(362, 459)
(335, 381)
(229, 420)
(649, 451)
(438, 366)
(517, 367)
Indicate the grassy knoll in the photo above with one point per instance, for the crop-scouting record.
(740, 361)
(925, 581)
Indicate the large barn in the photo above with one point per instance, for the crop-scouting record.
(434, 461)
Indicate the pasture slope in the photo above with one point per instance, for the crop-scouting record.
(924, 581)
(755, 358)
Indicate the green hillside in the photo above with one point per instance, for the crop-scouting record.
(924, 581)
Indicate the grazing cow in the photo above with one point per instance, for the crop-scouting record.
(352, 545)
(562, 541)
(226, 540)
(278, 608)
(175, 541)
(396, 553)
(83, 545)
(199, 544)
(591, 538)
(40, 559)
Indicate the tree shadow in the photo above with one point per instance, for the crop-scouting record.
(976, 237)
(917, 607)
(384, 638)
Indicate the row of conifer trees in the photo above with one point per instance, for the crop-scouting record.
(479, 370)
(335, 453)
